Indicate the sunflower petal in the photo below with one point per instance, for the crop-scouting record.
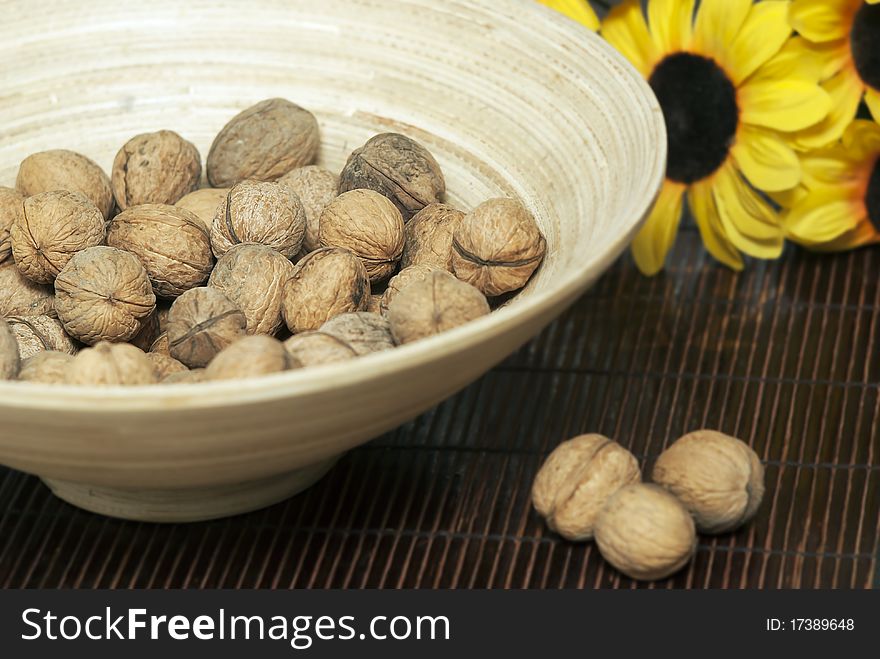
(786, 105)
(624, 28)
(718, 22)
(863, 234)
(824, 215)
(862, 141)
(705, 212)
(830, 167)
(789, 198)
(845, 91)
(821, 20)
(872, 99)
(657, 236)
(749, 222)
(671, 23)
(579, 10)
(766, 160)
(760, 38)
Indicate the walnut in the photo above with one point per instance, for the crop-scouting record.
(10, 361)
(374, 304)
(171, 243)
(439, 303)
(263, 143)
(326, 283)
(201, 323)
(162, 311)
(719, 479)
(368, 225)
(250, 357)
(428, 237)
(645, 532)
(11, 207)
(365, 332)
(38, 333)
(52, 228)
(185, 377)
(253, 277)
(316, 187)
(161, 345)
(316, 348)
(263, 213)
(397, 167)
(47, 367)
(576, 481)
(497, 247)
(148, 332)
(163, 365)
(155, 168)
(103, 294)
(48, 171)
(19, 296)
(401, 280)
(203, 203)
(111, 364)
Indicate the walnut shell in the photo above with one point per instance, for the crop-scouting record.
(161, 345)
(576, 481)
(19, 296)
(155, 168)
(148, 332)
(103, 294)
(11, 207)
(263, 143)
(367, 224)
(47, 367)
(52, 228)
(401, 280)
(326, 283)
(374, 304)
(719, 479)
(201, 323)
(162, 311)
(262, 213)
(48, 171)
(428, 237)
(111, 364)
(434, 305)
(10, 361)
(186, 377)
(253, 277)
(365, 332)
(316, 348)
(397, 167)
(316, 187)
(171, 243)
(497, 247)
(645, 532)
(250, 357)
(163, 365)
(203, 203)
(36, 334)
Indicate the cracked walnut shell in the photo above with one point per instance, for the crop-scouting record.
(49, 171)
(316, 187)
(326, 283)
(428, 237)
(11, 207)
(363, 331)
(19, 296)
(170, 242)
(250, 357)
(497, 247)
(47, 367)
(258, 212)
(397, 167)
(201, 323)
(155, 168)
(263, 143)
(645, 532)
(719, 479)
(10, 361)
(437, 304)
(51, 229)
(576, 481)
(367, 224)
(109, 364)
(40, 333)
(103, 294)
(316, 348)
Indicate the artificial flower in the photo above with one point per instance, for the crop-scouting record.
(839, 208)
(733, 89)
(579, 10)
(845, 36)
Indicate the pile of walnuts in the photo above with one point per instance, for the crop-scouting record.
(144, 276)
(590, 488)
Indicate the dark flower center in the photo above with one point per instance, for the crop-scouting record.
(699, 104)
(872, 198)
(865, 44)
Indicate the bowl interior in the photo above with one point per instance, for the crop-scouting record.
(511, 98)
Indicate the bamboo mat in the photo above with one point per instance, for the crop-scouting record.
(785, 356)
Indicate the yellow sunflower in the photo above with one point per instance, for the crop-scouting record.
(579, 10)
(845, 34)
(733, 88)
(840, 207)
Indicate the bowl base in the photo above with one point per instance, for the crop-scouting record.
(188, 505)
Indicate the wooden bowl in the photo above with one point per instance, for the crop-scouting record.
(511, 98)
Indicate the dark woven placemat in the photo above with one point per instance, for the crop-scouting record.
(784, 355)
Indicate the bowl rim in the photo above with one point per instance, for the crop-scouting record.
(204, 395)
